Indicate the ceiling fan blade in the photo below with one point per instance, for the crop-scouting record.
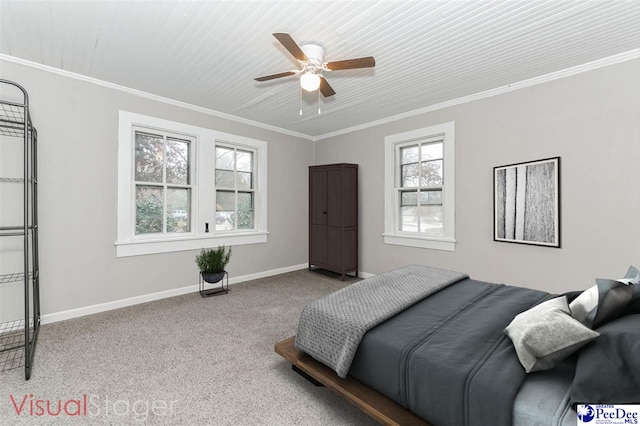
(325, 88)
(272, 76)
(289, 44)
(349, 64)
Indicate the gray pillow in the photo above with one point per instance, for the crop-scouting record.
(604, 301)
(546, 334)
(608, 370)
(634, 305)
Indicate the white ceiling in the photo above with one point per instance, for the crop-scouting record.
(207, 53)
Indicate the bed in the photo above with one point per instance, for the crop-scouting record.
(443, 359)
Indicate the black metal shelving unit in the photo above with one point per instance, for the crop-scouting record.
(18, 337)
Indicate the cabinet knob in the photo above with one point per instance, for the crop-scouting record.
(324, 212)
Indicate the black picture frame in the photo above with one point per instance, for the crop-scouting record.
(526, 203)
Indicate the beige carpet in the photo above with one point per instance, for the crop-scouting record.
(214, 357)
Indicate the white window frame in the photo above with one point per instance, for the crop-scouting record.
(203, 189)
(392, 143)
(235, 188)
(192, 157)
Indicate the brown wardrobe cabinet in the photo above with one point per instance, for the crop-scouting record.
(333, 218)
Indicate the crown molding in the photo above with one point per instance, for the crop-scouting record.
(615, 59)
(153, 97)
(611, 60)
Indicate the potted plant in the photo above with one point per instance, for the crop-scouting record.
(212, 263)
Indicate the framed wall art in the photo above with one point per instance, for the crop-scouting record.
(526, 198)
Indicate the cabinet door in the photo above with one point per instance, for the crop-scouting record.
(318, 197)
(334, 197)
(335, 248)
(350, 197)
(318, 245)
(350, 249)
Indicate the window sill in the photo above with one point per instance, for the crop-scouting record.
(446, 244)
(167, 245)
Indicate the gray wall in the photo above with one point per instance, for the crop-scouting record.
(591, 120)
(77, 126)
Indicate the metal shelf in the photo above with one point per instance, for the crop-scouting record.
(12, 343)
(18, 231)
(16, 180)
(17, 228)
(12, 334)
(14, 278)
(18, 338)
(12, 120)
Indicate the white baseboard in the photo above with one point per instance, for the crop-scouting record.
(363, 274)
(121, 303)
(269, 273)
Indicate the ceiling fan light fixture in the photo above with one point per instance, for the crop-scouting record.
(311, 64)
(310, 81)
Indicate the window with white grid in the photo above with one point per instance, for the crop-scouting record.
(234, 188)
(162, 182)
(419, 188)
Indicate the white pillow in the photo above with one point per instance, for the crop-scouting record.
(604, 301)
(546, 334)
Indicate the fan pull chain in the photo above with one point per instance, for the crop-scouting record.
(300, 101)
(319, 110)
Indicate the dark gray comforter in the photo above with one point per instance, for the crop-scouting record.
(331, 328)
(446, 358)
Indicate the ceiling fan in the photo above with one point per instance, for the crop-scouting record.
(311, 58)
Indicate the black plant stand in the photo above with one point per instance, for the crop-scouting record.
(204, 292)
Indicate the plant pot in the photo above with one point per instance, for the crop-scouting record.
(212, 277)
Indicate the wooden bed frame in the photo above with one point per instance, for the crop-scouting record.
(372, 403)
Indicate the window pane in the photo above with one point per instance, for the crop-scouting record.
(431, 173)
(408, 219)
(431, 220)
(224, 221)
(245, 210)
(409, 198)
(430, 197)
(178, 210)
(410, 175)
(177, 161)
(149, 206)
(225, 201)
(245, 201)
(224, 158)
(224, 179)
(149, 157)
(409, 154)
(244, 161)
(245, 219)
(225, 210)
(244, 180)
(432, 151)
